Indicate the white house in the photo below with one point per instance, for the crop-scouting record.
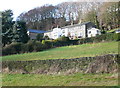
(49, 34)
(92, 32)
(82, 30)
(56, 33)
(75, 31)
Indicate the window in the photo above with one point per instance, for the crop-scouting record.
(63, 31)
(89, 32)
(97, 31)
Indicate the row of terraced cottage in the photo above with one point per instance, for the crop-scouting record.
(83, 30)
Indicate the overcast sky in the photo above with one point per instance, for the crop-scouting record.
(19, 6)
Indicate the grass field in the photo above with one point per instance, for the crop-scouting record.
(60, 80)
(67, 52)
(113, 30)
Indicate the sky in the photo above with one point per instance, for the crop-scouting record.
(19, 6)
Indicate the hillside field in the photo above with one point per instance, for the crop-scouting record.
(68, 52)
(77, 79)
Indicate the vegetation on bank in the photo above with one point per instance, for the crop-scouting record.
(60, 80)
(67, 52)
(113, 30)
(36, 46)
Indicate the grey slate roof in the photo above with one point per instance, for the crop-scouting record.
(89, 24)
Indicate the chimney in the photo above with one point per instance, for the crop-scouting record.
(57, 26)
(79, 21)
(72, 23)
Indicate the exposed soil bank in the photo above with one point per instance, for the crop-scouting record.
(99, 64)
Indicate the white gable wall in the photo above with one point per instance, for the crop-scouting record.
(49, 34)
(93, 32)
(56, 33)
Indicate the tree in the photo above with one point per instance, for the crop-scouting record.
(39, 18)
(39, 37)
(20, 32)
(46, 37)
(7, 23)
(109, 15)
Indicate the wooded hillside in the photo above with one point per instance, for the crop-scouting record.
(106, 15)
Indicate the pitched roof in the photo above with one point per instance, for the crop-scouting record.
(85, 23)
(36, 31)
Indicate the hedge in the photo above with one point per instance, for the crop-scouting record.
(35, 46)
(31, 46)
(100, 38)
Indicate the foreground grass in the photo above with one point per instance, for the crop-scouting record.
(67, 52)
(59, 80)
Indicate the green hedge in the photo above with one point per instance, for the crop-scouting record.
(63, 41)
(35, 46)
(13, 48)
(100, 38)
(31, 46)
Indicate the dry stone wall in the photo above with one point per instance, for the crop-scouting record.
(99, 64)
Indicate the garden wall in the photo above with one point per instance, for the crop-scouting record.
(99, 64)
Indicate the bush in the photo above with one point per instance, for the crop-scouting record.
(29, 47)
(17, 48)
(32, 45)
(47, 44)
(39, 37)
(99, 38)
(117, 36)
(38, 46)
(62, 41)
(13, 48)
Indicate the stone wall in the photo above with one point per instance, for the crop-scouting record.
(99, 64)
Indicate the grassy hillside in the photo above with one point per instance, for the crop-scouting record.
(67, 52)
(60, 80)
(113, 30)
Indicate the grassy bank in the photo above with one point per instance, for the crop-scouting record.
(113, 30)
(67, 52)
(60, 80)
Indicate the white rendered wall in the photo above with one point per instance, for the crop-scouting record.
(93, 32)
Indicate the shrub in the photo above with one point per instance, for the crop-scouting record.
(46, 37)
(39, 37)
(117, 36)
(47, 44)
(31, 46)
(36, 46)
(13, 48)
(99, 38)
(62, 41)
